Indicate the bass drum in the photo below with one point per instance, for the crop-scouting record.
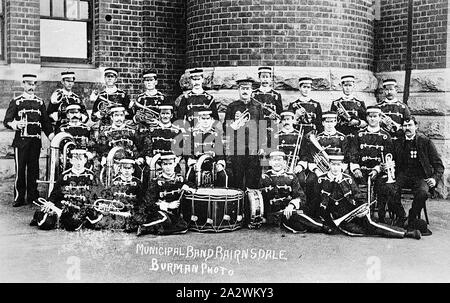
(214, 209)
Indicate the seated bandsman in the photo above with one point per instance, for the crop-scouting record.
(351, 111)
(371, 153)
(196, 99)
(318, 147)
(63, 97)
(308, 112)
(419, 167)
(281, 195)
(109, 97)
(119, 133)
(146, 106)
(121, 198)
(161, 212)
(74, 126)
(73, 193)
(394, 111)
(206, 140)
(345, 208)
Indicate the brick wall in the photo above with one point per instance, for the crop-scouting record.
(118, 42)
(318, 33)
(430, 19)
(165, 42)
(22, 31)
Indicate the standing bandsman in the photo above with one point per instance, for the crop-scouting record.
(318, 148)
(206, 139)
(151, 99)
(242, 132)
(341, 196)
(161, 213)
(74, 126)
(394, 111)
(307, 110)
(119, 133)
(27, 116)
(351, 111)
(63, 97)
(369, 152)
(196, 99)
(73, 192)
(281, 194)
(419, 167)
(108, 97)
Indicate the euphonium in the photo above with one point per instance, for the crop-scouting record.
(320, 158)
(389, 165)
(145, 114)
(203, 177)
(105, 104)
(241, 121)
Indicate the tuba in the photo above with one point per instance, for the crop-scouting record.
(241, 121)
(320, 158)
(205, 177)
(152, 165)
(59, 149)
(109, 171)
(389, 165)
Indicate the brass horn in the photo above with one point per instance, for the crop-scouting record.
(108, 171)
(241, 121)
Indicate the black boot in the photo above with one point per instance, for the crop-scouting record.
(414, 234)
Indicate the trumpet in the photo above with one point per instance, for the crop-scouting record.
(241, 121)
(268, 108)
(342, 112)
(320, 158)
(296, 150)
(390, 124)
(41, 202)
(389, 165)
(359, 210)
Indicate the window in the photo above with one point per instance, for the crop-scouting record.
(2, 30)
(66, 31)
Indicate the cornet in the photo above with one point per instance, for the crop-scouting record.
(389, 164)
(390, 124)
(268, 108)
(41, 202)
(296, 106)
(241, 121)
(342, 112)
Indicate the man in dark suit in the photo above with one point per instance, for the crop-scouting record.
(418, 166)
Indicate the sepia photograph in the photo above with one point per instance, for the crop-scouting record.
(219, 147)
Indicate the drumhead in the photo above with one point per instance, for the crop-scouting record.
(216, 191)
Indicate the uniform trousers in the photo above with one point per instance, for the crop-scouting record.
(27, 171)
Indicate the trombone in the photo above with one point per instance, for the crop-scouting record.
(296, 150)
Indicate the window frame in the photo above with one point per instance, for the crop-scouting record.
(90, 36)
(3, 31)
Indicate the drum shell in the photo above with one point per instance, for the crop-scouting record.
(206, 204)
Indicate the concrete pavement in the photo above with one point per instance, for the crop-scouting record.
(267, 255)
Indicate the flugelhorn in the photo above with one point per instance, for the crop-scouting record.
(241, 121)
(268, 108)
(389, 165)
(342, 112)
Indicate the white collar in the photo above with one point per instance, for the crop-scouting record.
(334, 178)
(66, 92)
(330, 134)
(126, 180)
(111, 90)
(151, 93)
(349, 97)
(171, 177)
(304, 99)
(118, 127)
(410, 138)
(373, 129)
(395, 100)
(286, 131)
(279, 173)
(265, 89)
(78, 173)
(198, 91)
(28, 96)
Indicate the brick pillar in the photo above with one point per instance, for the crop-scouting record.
(429, 98)
(165, 42)
(118, 40)
(322, 39)
(22, 31)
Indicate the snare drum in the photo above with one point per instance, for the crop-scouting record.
(256, 205)
(214, 209)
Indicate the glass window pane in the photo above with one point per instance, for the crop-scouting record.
(84, 9)
(72, 9)
(66, 39)
(1, 6)
(1, 40)
(58, 8)
(45, 7)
